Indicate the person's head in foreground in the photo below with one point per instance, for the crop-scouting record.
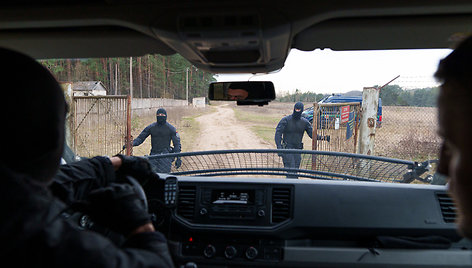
(33, 112)
(455, 98)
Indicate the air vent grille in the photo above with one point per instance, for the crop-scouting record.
(448, 208)
(186, 202)
(281, 204)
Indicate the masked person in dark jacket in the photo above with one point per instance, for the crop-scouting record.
(34, 229)
(162, 133)
(289, 135)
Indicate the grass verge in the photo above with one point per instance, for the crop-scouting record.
(259, 118)
(189, 132)
(264, 132)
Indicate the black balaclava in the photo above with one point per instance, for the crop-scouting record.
(297, 115)
(161, 119)
(33, 113)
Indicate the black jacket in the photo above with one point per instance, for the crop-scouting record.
(34, 232)
(161, 136)
(290, 131)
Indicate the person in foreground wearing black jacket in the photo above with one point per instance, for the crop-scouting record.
(33, 228)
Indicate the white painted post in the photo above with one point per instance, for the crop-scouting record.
(69, 128)
(370, 103)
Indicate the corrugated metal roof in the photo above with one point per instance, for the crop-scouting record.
(88, 86)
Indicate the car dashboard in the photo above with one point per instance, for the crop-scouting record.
(234, 222)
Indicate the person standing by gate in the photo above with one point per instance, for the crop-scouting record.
(289, 135)
(162, 133)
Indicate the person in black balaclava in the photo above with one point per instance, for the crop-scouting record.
(289, 135)
(162, 133)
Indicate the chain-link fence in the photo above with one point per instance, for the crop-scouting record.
(408, 133)
(402, 132)
(99, 125)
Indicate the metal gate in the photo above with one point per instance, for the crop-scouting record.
(336, 125)
(99, 125)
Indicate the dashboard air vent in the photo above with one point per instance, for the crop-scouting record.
(448, 209)
(281, 198)
(186, 202)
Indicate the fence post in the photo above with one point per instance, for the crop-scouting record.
(356, 126)
(370, 103)
(128, 127)
(314, 140)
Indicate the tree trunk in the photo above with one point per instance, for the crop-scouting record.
(149, 76)
(140, 77)
(68, 67)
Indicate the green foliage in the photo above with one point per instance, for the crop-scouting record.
(154, 76)
(303, 97)
(394, 95)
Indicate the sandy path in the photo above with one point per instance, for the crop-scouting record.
(221, 130)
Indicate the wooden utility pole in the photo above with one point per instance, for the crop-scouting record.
(370, 104)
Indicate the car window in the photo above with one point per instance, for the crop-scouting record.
(406, 125)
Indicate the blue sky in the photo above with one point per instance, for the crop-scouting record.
(327, 71)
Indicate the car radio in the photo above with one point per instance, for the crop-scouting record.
(233, 206)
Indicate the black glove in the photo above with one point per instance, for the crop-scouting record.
(136, 167)
(178, 162)
(124, 146)
(118, 208)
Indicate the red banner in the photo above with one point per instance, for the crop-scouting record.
(344, 114)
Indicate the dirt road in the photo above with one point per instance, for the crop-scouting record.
(221, 130)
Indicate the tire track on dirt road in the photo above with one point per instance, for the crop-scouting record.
(221, 130)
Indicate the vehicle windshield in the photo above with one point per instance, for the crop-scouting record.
(114, 100)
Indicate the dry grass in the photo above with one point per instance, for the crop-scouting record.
(406, 133)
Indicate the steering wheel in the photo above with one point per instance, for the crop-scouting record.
(86, 222)
(139, 190)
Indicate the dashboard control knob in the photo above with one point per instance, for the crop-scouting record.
(261, 213)
(209, 251)
(251, 253)
(230, 252)
(203, 211)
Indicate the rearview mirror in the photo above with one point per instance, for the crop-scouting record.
(245, 93)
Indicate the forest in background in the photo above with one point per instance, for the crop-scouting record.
(154, 76)
(391, 95)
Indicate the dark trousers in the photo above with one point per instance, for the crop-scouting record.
(292, 161)
(161, 165)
